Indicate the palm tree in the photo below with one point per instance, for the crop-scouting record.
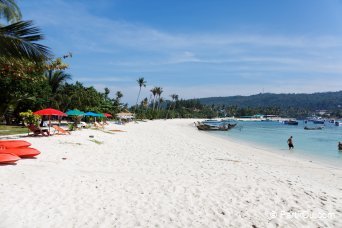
(141, 83)
(106, 93)
(144, 103)
(161, 100)
(117, 103)
(17, 40)
(154, 92)
(118, 95)
(174, 97)
(10, 11)
(56, 79)
(159, 92)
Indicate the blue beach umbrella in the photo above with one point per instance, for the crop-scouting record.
(93, 114)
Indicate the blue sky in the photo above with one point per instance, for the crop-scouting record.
(196, 48)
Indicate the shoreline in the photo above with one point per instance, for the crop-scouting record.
(301, 154)
(272, 151)
(164, 173)
(314, 159)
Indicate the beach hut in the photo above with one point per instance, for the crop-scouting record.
(125, 116)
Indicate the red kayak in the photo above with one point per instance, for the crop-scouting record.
(14, 143)
(8, 158)
(21, 152)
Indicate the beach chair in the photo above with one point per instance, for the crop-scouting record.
(60, 131)
(98, 125)
(37, 131)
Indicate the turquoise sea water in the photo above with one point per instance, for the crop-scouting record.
(318, 145)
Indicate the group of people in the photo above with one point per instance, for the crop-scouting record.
(290, 144)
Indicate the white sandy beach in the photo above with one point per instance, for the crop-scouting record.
(165, 174)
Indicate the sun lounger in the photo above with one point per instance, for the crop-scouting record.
(60, 130)
(98, 125)
(38, 131)
(116, 130)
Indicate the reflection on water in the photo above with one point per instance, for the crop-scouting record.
(321, 144)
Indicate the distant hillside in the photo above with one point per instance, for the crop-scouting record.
(326, 100)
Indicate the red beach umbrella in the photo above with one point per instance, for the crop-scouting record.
(107, 115)
(50, 112)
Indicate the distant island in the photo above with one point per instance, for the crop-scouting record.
(291, 104)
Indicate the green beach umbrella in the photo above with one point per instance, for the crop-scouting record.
(75, 112)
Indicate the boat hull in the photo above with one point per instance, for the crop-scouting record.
(207, 127)
(290, 122)
(21, 152)
(313, 128)
(8, 158)
(318, 121)
(14, 143)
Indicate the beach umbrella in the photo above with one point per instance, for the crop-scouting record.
(75, 112)
(107, 115)
(93, 114)
(100, 115)
(49, 112)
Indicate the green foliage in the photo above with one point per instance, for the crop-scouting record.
(286, 105)
(18, 40)
(30, 118)
(327, 100)
(71, 126)
(9, 10)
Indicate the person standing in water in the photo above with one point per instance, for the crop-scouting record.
(290, 143)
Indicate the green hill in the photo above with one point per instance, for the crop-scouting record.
(314, 101)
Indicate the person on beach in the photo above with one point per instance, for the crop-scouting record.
(44, 122)
(290, 143)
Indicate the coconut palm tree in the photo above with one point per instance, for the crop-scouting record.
(154, 92)
(174, 98)
(159, 92)
(10, 11)
(144, 103)
(118, 95)
(141, 83)
(106, 93)
(161, 100)
(17, 40)
(57, 79)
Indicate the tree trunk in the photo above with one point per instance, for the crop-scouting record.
(154, 102)
(167, 113)
(136, 103)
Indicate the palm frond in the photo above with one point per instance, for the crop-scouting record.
(17, 40)
(10, 11)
